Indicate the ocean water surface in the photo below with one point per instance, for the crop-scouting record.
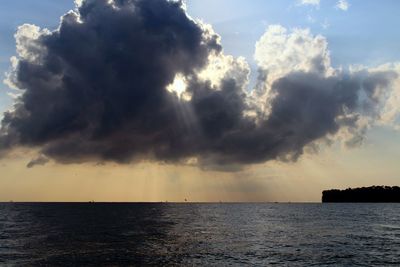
(221, 234)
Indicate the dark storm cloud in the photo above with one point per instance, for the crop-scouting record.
(95, 90)
(307, 107)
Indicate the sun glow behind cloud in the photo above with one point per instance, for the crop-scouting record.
(179, 86)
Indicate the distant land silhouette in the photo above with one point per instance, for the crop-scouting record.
(363, 194)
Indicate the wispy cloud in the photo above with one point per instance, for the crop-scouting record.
(325, 25)
(40, 160)
(310, 2)
(311, 19)
(343, 5)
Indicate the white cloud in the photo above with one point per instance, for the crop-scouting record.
(343, 5)
(27, 46)
(78, 2)
(279, 52)
(310, 2)
(390, 114)
(221, 66)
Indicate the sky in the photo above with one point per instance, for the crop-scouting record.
(210, 101)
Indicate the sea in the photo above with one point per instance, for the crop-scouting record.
(199, 234)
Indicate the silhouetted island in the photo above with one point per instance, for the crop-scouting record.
(363, 194)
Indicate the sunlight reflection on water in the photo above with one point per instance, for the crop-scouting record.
(100, 234)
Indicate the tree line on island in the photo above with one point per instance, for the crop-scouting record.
(363, 194)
